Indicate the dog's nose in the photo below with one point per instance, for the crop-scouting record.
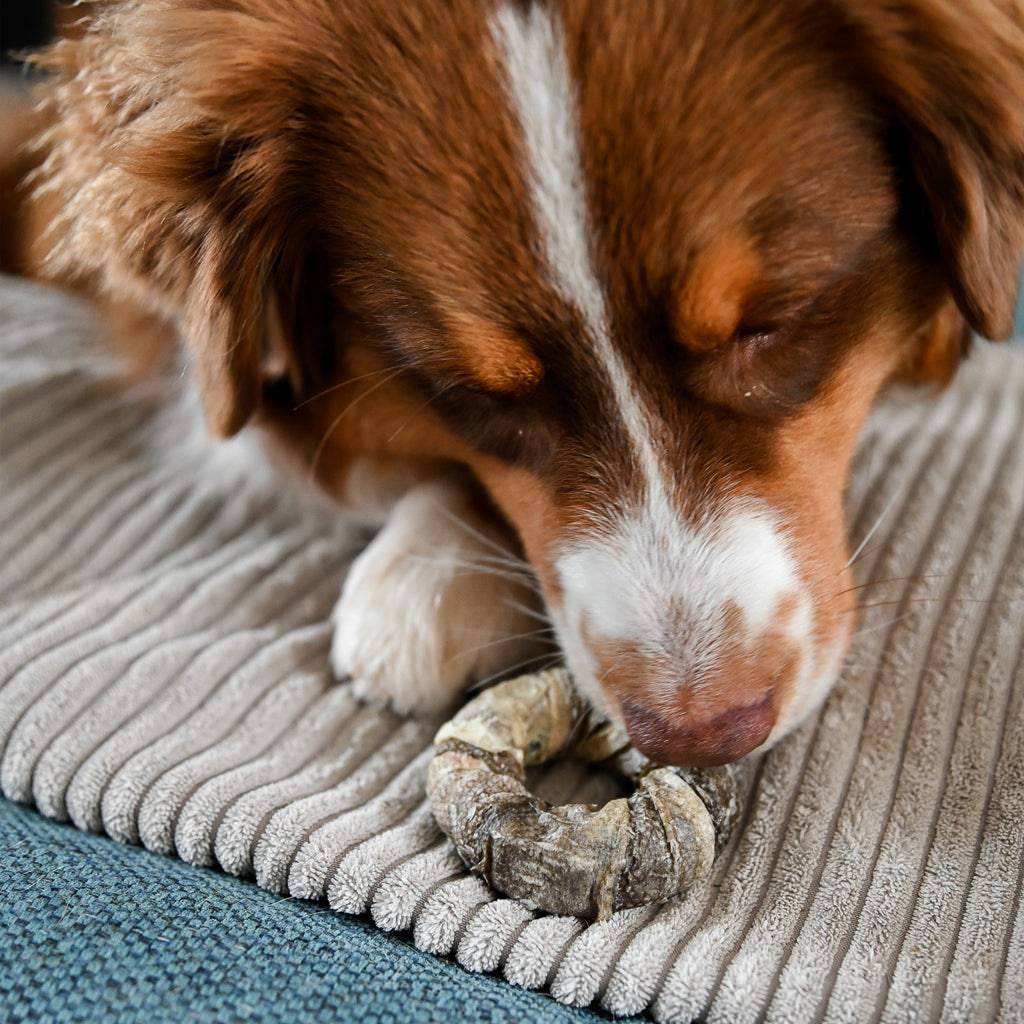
(690, 739)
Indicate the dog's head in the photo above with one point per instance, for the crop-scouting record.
(643, 272)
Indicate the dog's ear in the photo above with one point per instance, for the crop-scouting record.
(938, 349)
(951, 73)
(171, 148)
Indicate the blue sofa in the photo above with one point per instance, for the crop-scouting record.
(98, 933)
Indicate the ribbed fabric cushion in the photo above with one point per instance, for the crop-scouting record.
(163, 679)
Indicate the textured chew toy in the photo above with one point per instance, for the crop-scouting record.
(578, 859)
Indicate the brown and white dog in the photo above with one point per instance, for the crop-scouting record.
(609, 285)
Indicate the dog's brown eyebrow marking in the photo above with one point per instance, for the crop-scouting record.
(494, 357)
(710, 300)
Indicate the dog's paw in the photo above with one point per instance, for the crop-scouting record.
(433, 604)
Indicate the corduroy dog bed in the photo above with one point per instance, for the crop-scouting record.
(163, 638)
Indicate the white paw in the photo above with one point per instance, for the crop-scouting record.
(425, 609)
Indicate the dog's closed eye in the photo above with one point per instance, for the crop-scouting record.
(759, 336)
(739, 377)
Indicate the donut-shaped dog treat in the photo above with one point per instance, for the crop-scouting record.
(579, 859)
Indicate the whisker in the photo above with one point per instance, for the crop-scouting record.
(551, 661)
(425, 403)
(514, 576)
(515, 580)
(893, 579)
(340, 384)
(594, 717)
(512, 564)
(503, 640)
(529, 612)
(344, 412)
(584, 721)
(932, 600)
(482, 537)
(878, 522)
(881, 625)
(874, 604)
(481, 563)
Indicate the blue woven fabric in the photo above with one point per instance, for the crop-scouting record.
(94, 932)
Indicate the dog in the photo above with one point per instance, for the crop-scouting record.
(580, 304)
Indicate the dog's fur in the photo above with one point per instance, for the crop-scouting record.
(612, 284)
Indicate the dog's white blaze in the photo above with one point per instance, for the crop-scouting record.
(538, 80)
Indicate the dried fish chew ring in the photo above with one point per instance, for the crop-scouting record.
(576, 859)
